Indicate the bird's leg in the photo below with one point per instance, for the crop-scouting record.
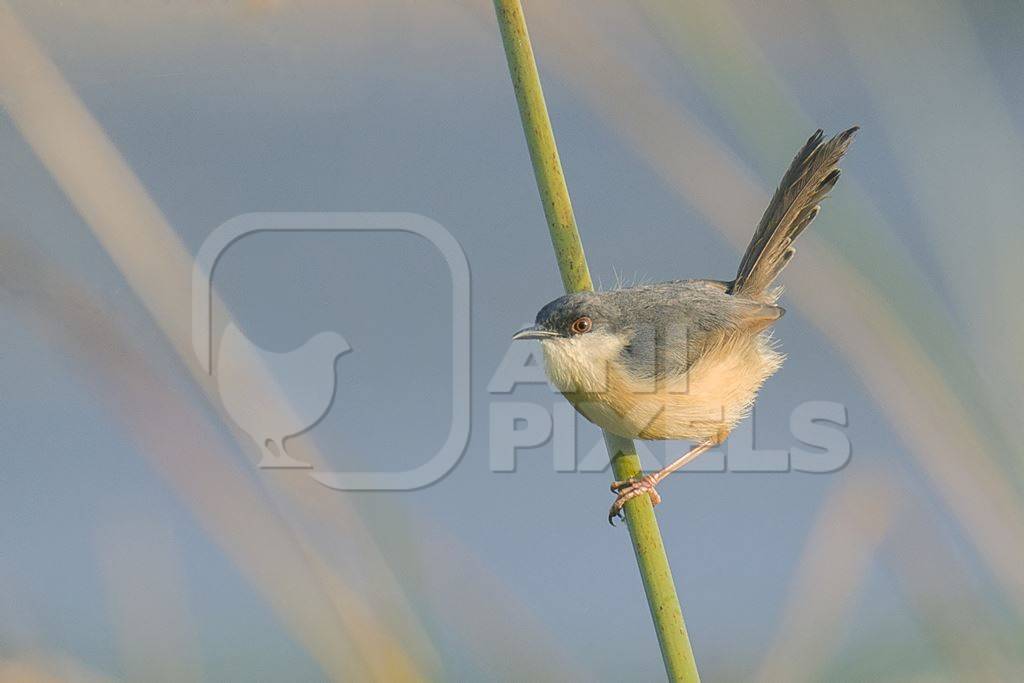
(631, 488)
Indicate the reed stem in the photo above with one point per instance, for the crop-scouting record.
(572, 264)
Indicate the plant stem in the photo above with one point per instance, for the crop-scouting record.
(572, 263)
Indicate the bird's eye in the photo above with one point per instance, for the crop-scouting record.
(581, 325)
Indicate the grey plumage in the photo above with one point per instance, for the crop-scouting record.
(668, 325)
(685, 359)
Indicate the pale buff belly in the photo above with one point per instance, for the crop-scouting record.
(703, 404)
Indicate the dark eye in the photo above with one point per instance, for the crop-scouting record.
(581, 325)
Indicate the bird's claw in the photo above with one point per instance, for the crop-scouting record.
(629, 489)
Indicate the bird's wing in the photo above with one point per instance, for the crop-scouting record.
(689, 318)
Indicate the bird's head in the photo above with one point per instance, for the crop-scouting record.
(581, 335)
(577, 316)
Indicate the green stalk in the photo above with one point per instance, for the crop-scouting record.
(572, 263)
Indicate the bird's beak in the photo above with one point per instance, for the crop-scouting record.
(534, 333)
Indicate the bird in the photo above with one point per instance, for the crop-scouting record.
(685, 359)
(272, 396)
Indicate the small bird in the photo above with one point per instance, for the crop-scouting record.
(685, 359)
(273, 396)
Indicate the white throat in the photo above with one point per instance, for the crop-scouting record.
(581, 363)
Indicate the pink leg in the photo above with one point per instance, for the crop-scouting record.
(631, 488)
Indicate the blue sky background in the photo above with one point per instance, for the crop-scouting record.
(408, 107)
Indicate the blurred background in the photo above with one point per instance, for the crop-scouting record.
(138, 539)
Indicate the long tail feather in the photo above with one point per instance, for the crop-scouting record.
(808, 181)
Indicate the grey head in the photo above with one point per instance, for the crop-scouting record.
(574, 315)
(582, 336)
(649, 329)
(700, 305)
(641, 330)
(585, 333)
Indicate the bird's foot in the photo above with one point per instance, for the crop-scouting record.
(629, 489)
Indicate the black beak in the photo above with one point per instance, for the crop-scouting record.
(534, 333)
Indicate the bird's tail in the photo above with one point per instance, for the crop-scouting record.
(795, 204)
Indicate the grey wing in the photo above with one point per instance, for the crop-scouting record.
(675, 323)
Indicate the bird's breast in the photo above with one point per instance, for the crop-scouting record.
(703, 403)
